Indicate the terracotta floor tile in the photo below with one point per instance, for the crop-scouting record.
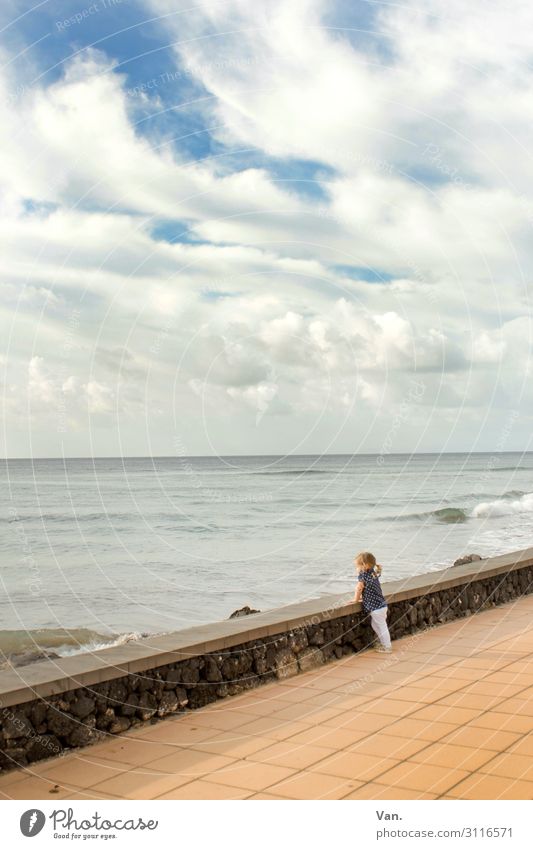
(273, 727)
(134, 752)
(225, 720)
(450, 755)
(460, 673)
(84, 770)
(190, 762)
(425, 777)
(353, 765)
(446, 713)
(251, 776)
(269, 796)
(504, 722)
(419, 729)
(140, 784)
(479, 786)
(438, 682)
(521, 707)
(306, 785)
(481, 738)
(180, 733)
(36, 788)
(379, 791)
(288, 753)
(308, 713)
(84, 795)
(390, 707)
(491, 688)
(334, 738)
(510, 765)
(359, 722)
(300, 694)
(417, 695)
(503, 677)
(523, 746)
(267, 707)
(384, 745)
(202, 789)
(233, 744)
(474, 701)
(343, 702)
(14, 775)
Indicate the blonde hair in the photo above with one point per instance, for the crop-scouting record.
(366, 562)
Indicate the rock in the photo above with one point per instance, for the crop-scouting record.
(44, 746)
(147, 706)
(38, 713)
(59, 723)
(83, 706)
(212, 670)
(202, 695)
(16, 725)
(468, 558)
(298, 641)
(83, 735)
(243, 611)
(286, 664)
(172, 678)
(317, 637)
(168, 703)
(181, 695)
(129, 707)
(190, 674)
(105, 719)
(119, 724)
(12, 758)
(117, 692)
(309, 659)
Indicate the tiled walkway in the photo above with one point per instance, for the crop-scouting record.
(448, 716)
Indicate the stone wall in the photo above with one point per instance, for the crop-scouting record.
(46, 726)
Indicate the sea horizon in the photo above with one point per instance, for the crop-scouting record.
(281, 456)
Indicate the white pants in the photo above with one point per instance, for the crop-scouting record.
(378, 620)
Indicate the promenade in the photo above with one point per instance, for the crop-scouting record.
(448, 716)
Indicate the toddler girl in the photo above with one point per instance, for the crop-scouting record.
(368, 590)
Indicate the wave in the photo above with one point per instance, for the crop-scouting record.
(450, 515)
(18, 648)
(504, 507)
(511, 502)
(511, 468)
(72, 518)
(295, 472)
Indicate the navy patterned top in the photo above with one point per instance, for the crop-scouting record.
(373, 598)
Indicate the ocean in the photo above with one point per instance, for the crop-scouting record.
(96, 552)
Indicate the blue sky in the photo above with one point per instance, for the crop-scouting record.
(250, 227)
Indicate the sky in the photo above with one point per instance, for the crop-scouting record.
(290, 226)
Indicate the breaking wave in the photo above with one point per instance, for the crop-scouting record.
(504, 507)
(18, 648)
(510, 503)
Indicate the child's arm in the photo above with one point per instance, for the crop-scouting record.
(358, 591)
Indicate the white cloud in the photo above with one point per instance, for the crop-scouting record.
(412, 258)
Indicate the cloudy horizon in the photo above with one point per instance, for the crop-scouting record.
(291, 227)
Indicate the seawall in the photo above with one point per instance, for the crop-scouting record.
(56, 705)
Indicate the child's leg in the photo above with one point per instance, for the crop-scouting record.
(378, 620)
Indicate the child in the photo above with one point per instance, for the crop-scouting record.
(368, 590)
